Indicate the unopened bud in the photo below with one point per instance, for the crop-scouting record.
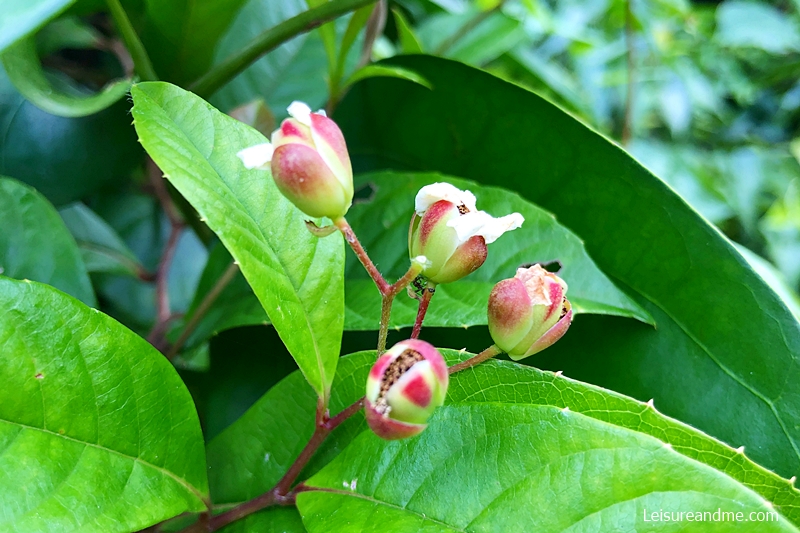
(404, 387)
(309, 162)
(451, 233)
(528, 312)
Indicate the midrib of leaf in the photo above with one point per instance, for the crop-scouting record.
(376, 501)
(110, 252)
(738, 379)
(179, 480)
(264, 238)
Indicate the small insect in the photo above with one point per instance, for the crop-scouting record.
(553, 266)
(417, 287)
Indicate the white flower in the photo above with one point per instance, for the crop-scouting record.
(482, 223)
(430, 194)
(301, 112)
(471, 223)
(257, 156)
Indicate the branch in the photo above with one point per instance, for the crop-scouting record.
(144, 68)
(488, 353)
(270, 39)
(422, 310)
(203, 308)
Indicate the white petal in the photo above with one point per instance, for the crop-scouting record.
(322, 112)
(482, 223)
(257, 156)
(301, 112)
(430, 194)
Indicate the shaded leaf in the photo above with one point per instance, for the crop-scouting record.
(756, 24)
(22, 65)
(374, 71)
(381, 222)
(101, 248)
(34, 244)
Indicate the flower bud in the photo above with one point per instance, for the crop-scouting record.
(309, 162)
(404, 387)
(528, 312)
(448, 229)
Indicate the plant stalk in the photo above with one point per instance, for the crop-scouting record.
(422, 310)
(141, 61)
(488, 353)
(203, 308)
(270, 39)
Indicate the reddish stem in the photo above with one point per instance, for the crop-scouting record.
(488, 353)
(422, 310)
(352, 240)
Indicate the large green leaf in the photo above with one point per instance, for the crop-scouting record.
(97, 431)
(19, 18)
(64, 158)
(724, 355)
(35, 244)
(381, 223)
(298, 278)
(259, 446)
(495, 467)
(181, 35)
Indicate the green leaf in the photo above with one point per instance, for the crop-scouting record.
(381, 223)
(19, 18)
(724, 355)
(181, 35)
(24, 69)
(774, 278)
(759, 25)
(494, 467)
(473, 37)
(409, 43)
(34, 243)
(261, 444)
(97, 431)
(101, 248)
(375, 71)
(295, 70)
(64, 158)
(297, 277)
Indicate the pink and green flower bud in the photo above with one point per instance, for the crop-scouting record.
(451, 233)
(309, 162)
(404, 388)
(528, 312)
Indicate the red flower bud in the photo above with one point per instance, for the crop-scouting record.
(528, 312)
(451, 233)
(309, 162)
(404, 387)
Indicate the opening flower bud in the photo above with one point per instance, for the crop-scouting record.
(309, 162)
(528, 312)
(404, 387)
(451, 233)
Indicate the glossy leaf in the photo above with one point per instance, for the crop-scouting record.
(376, 71)
(724, 354)
(101, 248)
(64, 158)
(182, 35)
(295, 70)
(19, 18)
(24, 69)
(297, 277)
(35, 245)
(259, 446)
(97, 431)
(381, 223)
(480, 468)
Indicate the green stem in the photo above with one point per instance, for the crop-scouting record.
(488, 353)
(270, 39)
(141, 61)
(203, 308)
